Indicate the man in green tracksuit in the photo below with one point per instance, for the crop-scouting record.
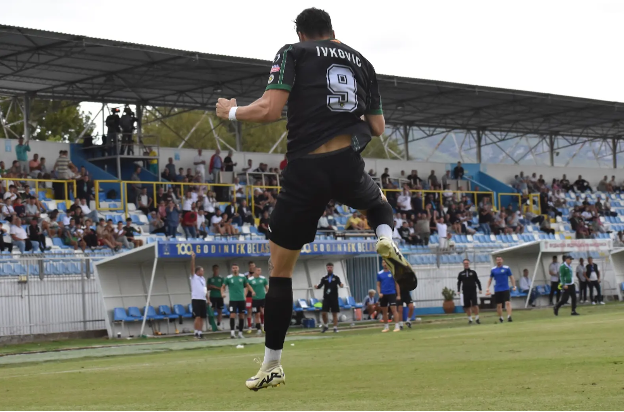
(566, 280)
(261, 286)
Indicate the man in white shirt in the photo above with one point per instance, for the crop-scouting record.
(201, 223)
(525, 286)
(216, 222)
(442, 233)
(200, 165)
(404, 201)
(238, 190)
(86, 211)
(553, 271)
(198, 296)
(20, 238)
(11, 193)
(187, 205)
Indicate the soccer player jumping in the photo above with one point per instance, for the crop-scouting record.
(334, 109)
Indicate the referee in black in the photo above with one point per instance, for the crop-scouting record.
(330, 283)
(467, 283)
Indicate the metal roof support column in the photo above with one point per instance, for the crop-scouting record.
(238, 127)
(26, 117)
(551, 149)
(406, 130)
(614, 145)
(139, 116)
(479, 144)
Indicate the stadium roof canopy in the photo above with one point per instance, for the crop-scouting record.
(53, 65)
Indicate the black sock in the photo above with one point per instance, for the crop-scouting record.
(277, 312)
(241, 323)
(232, 324)
(258, 326)
(380, 214)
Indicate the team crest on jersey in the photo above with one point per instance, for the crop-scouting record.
(275, 68)
(271, 77)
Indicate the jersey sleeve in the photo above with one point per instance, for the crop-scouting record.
(282, 74)
(373, 105)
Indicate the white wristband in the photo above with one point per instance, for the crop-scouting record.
(232, 115)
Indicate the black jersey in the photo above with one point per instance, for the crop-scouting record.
(330, 283)
(331, 86)
(467, 281)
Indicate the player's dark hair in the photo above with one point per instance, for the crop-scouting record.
(251, 262)
(215, 266)
(467, 260)
(329, 264)
(314, 23)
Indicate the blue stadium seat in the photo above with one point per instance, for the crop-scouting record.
(296, 307)
(135, 312)
(151, 314)
(541, 290)
(120, 315)
(304, 305)
(136, 220)
(351, 301)
(342, 302)
(165, 311)
(61, 206)
(181, 312)
(59, 242)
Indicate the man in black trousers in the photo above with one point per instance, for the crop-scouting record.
(566, 278)
(593, 274)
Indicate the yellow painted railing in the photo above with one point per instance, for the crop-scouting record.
(518, 195)
(68, 185)
(457, 194)
(97, 186)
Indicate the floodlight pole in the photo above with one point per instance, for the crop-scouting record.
(479, 144)
(149, 290)
(614, 145)
(406, 130)
(551, 149)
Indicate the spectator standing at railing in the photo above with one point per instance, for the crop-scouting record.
(173, 218)
(84, 188)
(404, 201)
(21, 151)
(443, 234)
(415, 181)
(237, 190)
(446, 179)
(171, 167)
(228, 162)
(432, 180)
(215, 166)
(458, 171)
(200, 165)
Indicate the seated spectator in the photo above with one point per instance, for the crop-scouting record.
(86, 210)
(35, 235)
(228, 226)
(404, 232)
(525, 287)
(131, 231)
(614, 186)
(371, 305)
(603, 185)
(582, 185)
(545, 227)
(4, 245)
(354, 222)
(485, 218)
(32, 212)
(232, 210)
(237, 191)
(119, 233)
(72, 236)
(180, 176)
(90, 238)
(263, 226)
(157, 225)
(11, 194)
(104, 235)
(458, 171)
(165, 175)
(200, 224)
(20, 209)
(245, 213)
(144, 202)
(513, 223)
(216, 222)
(323, 223)
(189, 224)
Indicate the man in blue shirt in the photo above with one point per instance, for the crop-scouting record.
(501, 274)
(388, 290)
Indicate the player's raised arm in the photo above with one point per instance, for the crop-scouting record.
(193, 262)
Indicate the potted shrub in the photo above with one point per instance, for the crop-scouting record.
(448, 305)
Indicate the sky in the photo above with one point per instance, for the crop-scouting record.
(560, 47)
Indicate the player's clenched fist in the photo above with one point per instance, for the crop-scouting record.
(224, 106)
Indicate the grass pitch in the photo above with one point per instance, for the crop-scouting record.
(537, 362)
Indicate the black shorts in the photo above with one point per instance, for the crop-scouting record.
(309, 183)
(470, 299)
(501, 297)
(217, 303)
(238, 306)
(406, 298)
(387, 300)
(199, 308)
(256, 305)
(330, 305)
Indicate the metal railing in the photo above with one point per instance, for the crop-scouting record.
(456, 195)
(67, 185)
(115, 183)
(51, 294)
(251, 177)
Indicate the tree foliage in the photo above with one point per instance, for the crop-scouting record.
(59, 121)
